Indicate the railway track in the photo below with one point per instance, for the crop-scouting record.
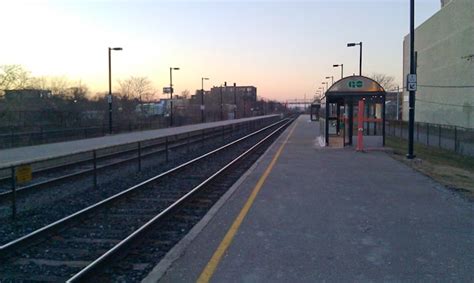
(84, 166)
(84, 243)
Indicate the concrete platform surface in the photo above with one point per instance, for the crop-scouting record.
(335, 215)
(32, 153)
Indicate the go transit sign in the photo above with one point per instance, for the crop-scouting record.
(355, 84)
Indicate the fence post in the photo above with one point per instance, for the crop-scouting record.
(166, 148)
(13, 192)
(94, 155)
(401, 130)
(12, 141)
(427, 134)
(439, 136)
(455, 139)
(139, 156)
(417, 132)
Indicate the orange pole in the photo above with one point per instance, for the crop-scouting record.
(360, 126)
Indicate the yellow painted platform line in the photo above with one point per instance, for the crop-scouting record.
(225, 243)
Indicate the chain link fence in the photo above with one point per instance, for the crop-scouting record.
(457, 139)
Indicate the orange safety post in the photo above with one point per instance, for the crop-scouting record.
(360, 126)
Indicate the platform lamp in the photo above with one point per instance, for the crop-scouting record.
(326, 83)
(171, 93)
(342, 69)
(109, 98)
(332, 79)
(202, 98)
(352, 44)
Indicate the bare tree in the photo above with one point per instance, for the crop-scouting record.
(185, 94)
(386, 81)
(136, 87)
(13, 77)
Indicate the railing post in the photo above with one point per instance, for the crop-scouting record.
(94, 158)
(13, 192)
(202, 137)
(187, 142)
(166, 149)
(139, 156)
(223, 133)
(455, 139)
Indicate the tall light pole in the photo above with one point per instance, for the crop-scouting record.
(332, 79)
(222, 103)
(326, 85)
(411, 98)
(202, 99)
(109, 98)
(352, 44)
(322, 90)
(235, 101)
(171, 94)
(342, 69)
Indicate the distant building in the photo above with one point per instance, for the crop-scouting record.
(27, 94)
(445, 66)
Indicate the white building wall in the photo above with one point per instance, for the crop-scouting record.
(445, 46)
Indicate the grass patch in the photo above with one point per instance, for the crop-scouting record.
(452, 170)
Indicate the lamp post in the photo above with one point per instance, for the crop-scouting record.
(322, 90)
(332, 79)
(222, 103)
(235, 101)
(342, 69)
(109, 98)
(411, 98)
(202, 98)
(326, 85)
(171, 94)
(352, 44)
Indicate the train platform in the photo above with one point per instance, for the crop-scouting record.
(51, 150)
(304, 213)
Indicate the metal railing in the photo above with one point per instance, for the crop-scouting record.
(453, 138)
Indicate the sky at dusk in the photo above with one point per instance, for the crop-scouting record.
(284, 48)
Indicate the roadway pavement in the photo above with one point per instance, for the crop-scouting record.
(331, 215)
(37, 152)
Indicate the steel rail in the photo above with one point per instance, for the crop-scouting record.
(27, 239)
(4, 196)
(107, 256)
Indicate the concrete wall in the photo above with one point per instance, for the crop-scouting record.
(445, 46)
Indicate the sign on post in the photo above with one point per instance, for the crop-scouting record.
(411, 82)
(167, 89)
(23, 173)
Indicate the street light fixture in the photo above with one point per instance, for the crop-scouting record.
(109, 98)
(342, 69)
(332, 79)
(171, 94)
(352, 44)
(202, 98)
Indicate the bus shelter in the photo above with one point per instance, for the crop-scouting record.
(353, 112)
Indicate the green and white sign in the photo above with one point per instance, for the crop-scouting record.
(355, 84)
